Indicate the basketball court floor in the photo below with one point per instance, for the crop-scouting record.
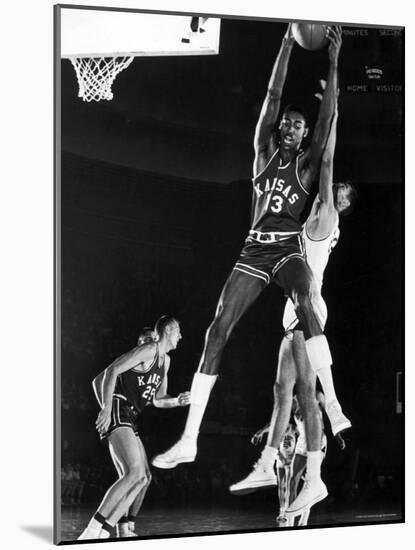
(162, 521)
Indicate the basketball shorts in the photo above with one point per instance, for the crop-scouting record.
(263, 260)
(290, 320)
(123, 415)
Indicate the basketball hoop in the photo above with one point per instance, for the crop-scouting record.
(96, 75)
(101, 43)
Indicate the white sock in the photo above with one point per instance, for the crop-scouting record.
(199, 396)
(326, 380)
(122, 528)
(318, 352)
(131, 525)
(269, 454)
(313, 465)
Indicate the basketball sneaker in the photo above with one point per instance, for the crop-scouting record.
(283, 521)
(262, 475)
(128, 534)
(89, 534)
(124, 531)
(312, 492)
(304, 517)
(183, 451)
(339, 422)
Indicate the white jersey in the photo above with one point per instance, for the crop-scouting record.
(317, 254)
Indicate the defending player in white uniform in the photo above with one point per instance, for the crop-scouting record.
(320, 234)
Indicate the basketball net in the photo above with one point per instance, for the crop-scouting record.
(96, 75)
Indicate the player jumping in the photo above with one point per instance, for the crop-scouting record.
(273, 250)
(320, 235)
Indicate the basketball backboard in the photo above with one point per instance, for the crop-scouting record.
(110, 33)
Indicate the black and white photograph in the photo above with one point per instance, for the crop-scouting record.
(229, 259)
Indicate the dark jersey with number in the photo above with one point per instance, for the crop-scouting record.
(139, 388)
(279, 196)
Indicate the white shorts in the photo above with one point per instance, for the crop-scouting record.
(289, 319)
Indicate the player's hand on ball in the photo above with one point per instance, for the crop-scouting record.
(334, 34)
(103, 420)
(184, 399)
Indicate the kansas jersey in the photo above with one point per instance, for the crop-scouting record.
(279, 196)
(139, 388)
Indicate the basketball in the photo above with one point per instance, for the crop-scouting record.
(310, 36)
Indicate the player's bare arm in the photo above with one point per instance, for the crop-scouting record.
(138, 357)
(163, 400)
(263, 142)
(325, 190)
(311, 161)
(323, 216)
(97, 385)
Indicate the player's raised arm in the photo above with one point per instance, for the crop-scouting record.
(131, 359)
(163, 400)
(325, 190)
(271, 106)
(326, 112)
